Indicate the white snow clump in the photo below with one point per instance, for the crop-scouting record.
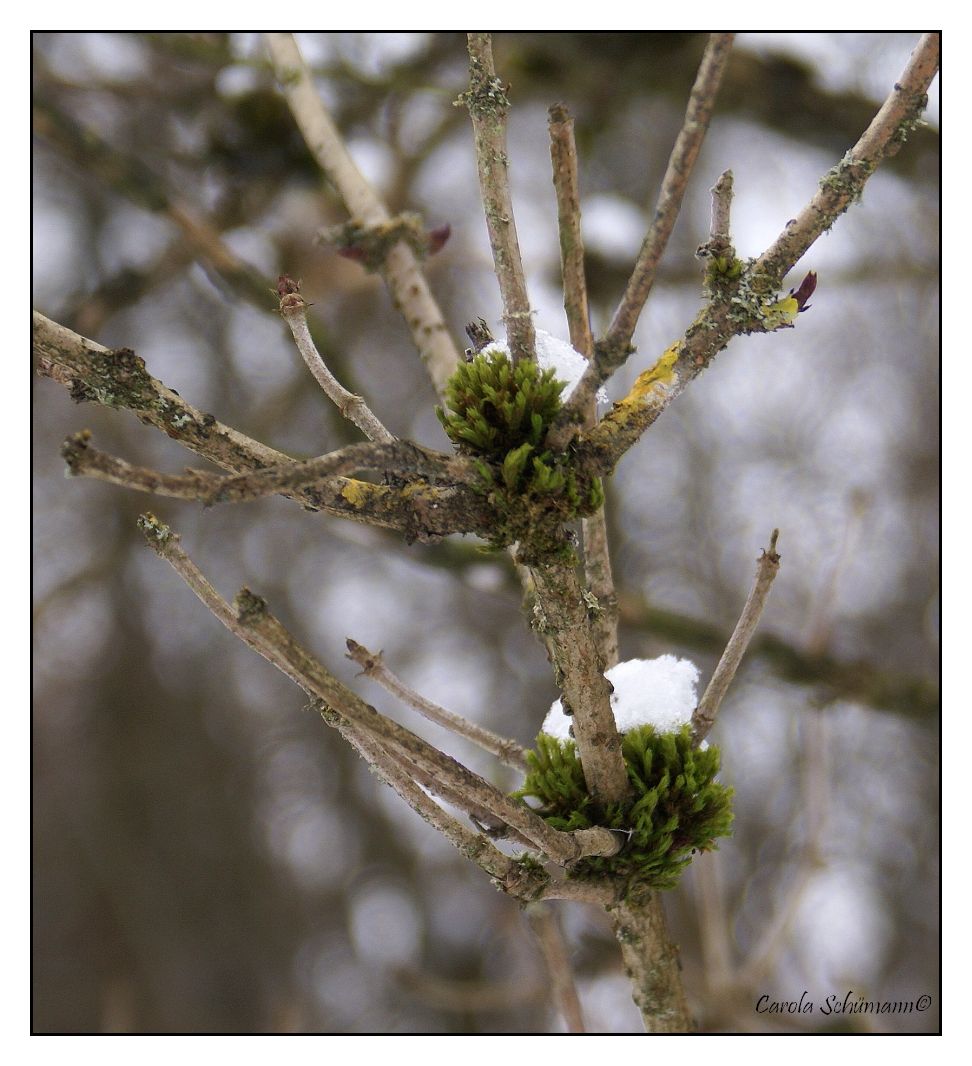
(554, 354)
(658, 692)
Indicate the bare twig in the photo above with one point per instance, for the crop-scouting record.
(85, 461)
(385, 764)
(714, 923)
(294, 311)
(373, 665)
(597, 559)
(687, 145)
(251, 620)
(563, 158)
(705, 714)
(550, 939)
(586, 693)
(841, 186)
(402, 457)
(488, 104)
(615, 346)
(720, 239)
(400, 267)
(723, 318)
(118, 378)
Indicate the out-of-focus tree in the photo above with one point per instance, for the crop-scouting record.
(208, 857)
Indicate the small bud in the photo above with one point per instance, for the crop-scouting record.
(437, 237)
(480, 335)
(805, 291)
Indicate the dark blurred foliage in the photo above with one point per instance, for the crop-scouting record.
(208, 856)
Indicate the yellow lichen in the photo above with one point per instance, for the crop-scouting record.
(357, 493)
(661, 374)
(781, 313)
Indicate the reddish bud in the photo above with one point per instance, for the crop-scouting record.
(805, 291)
(437, 237)
(352, 251)
(286, 285)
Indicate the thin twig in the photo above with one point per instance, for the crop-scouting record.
(705, 714)
(293, 308)
(385, 764)
(841, 186)
(722, 318)
(550, 939)
(373, 665)
(597, 558)
(251, 620)
(563, 158)
(615, 346)
(720, 239)
(118, 378)
(400, 268)
(488, 104)
(714, 923)
(687, 145)
(401, 457)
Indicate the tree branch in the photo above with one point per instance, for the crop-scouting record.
(597, 558)
(841, 186)
(410, 460)
(687, 145)
(387, 766)
(119, 379)
(705, 714)
(399, 268)
(650, 960)
(615, 346)
(294, 312)
(488, 104)
(741, 307)
(251, 620)
(586, 693)
(373, 666)
(563, 158)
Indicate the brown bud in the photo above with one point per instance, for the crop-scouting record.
(805, 291)
(437, 237)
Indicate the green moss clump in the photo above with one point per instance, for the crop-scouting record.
(495, 407)
(500, 413)
(676, 808)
